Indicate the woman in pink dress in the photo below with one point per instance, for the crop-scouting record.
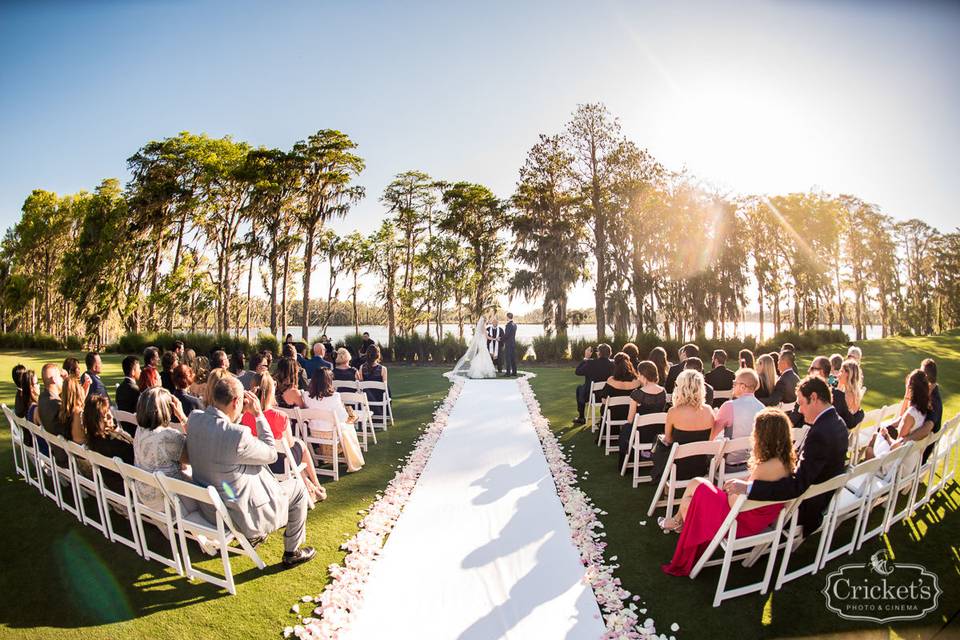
(704, 507)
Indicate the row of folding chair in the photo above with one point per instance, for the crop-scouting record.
(83, 480)
(888, 487)
(380, 419)
(861, 434)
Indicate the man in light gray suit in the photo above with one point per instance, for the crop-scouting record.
(224, 454)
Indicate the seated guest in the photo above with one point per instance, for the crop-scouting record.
(91, 377)
(19, 409)
(372, 371)
(343, 370)
(178, 348)
(151, 358)
(848, 393)
(106, 438)
(266, 390)
(621, 383)
(159, 443)
(317, 360)
(854, 353)
(290, 351)
(168, 361)
(704, 507)
(821, 366)
(70, 417)
(929, 368)
(690, 419)
(149, 377)
(29, 391)
(218, 360)
(593, 370)
(213, 377)
(658, 356)
(238, 367)
(189, 358)
(776, 361)
(735, 418)
(785, 390)
(48, 406)
(259, 364)
(321, 396)
(686, 351)
(696, 364)
(823, 456)
(288, 389)
(224, 455)
(327, 345)
(200, 373)
(71, 367)
(836, 361)
(916, 398)
(720, 377)
(128, 392)
(649, 397)
(182, 377)
(633, 352)
(767, 373)
(746, 359)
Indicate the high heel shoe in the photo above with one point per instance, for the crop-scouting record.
(673, 528)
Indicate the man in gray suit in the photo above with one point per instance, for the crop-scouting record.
(510, 345)
(224, 454)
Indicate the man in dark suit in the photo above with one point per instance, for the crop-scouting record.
(510, 345)
(128, 392)
(823, 456)
(720, 378)
(696, 364)
(594, 370)
(94, 366)
(786, 388)
(686, 351)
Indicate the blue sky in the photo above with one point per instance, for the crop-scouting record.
(766, 97)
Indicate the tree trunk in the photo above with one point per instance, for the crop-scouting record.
(283, 304)
(356, 317)
(307, 272)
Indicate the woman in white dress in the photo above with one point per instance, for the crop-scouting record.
(159, 443)
(476, 362)
(322, 397)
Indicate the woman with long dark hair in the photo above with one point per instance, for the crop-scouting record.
(322, 397)
(658, 356)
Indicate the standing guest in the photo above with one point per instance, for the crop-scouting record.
(182, 377)
(785, 390)
(824, 456)
(373, 371)
(621, 383)
(633, 353)
(593, 370)
(265, 390)
(854, 353)
(696, 364)
(735, 418)
(159, 443)
(836, 361)
(168, 361)
(689, 350)
(848, 393)
(704, 507)
(213, 377)
(19, 406)
(767, 373)
(321, 396)
(70, 417)
(104, 437)
(649, 397)
(690, 419)
(746, 359)
(327, 346)
(149, 377)
(365, 344)
(218, 360)
(224, 455)
(343, 370)
(658, 356)
(288, 388)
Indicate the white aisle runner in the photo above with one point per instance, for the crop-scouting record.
(482, 550)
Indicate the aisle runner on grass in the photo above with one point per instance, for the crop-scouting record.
(482, 549)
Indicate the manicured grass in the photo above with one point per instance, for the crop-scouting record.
(930, 538)
(63, 580)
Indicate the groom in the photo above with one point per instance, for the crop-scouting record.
(494, 340)
(510, 345)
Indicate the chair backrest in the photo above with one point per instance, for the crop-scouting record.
(889, 412)
(174, 489)
(704, 448)
(373, 384)
(799, 434)
(16, 432)
(352, 398)
(124, 416)
(344, 386)
(290, 412)
(744, 443)
(597, 386)
(135, 474)
(618, 401)
(827, 486)
(787, 406)
(648, 419)
(726, 394)
(314, 414)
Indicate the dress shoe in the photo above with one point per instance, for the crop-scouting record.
(301, 555)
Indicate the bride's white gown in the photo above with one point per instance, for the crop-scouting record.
(476, 362)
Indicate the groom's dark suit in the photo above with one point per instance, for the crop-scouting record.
(510, 347)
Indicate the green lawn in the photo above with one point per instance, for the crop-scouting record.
(62, 580)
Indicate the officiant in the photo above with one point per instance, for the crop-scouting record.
(495, 342)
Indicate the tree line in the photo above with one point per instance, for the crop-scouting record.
(202, 220)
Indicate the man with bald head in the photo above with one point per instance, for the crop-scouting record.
(225, 455)
(735, 418)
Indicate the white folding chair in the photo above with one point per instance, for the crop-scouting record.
(942, 467)
(636, 448)
(346, 386)
(607, 436)
(798, 435)
(316, 441)
(359, 402)
(666, 493)
(124, 416)
(86, 486)
(860, 435)
(832, 487)
(110, 500)
(17, 444)
(879, 490)
(43, 462)
(726, 394)
(786, 406)
(908, 480)
(593, 411)
(743, 444)
(292, 470)
(748, 546)
(848, 506)
(162, 519)
(385, 414)
(67, 481)
(194, 525)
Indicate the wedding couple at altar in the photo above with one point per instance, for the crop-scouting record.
(492, 348)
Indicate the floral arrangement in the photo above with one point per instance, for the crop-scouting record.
(621, 620)
(334, 608)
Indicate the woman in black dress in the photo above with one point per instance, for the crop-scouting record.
(373, 371)
(105, 438)
(648, 398)
(621, 384)
(342, 369)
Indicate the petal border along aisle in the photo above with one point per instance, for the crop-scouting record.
(333, 609)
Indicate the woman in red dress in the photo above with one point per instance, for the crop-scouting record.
(704, 507)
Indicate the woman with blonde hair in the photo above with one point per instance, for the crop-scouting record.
(767, 372)
(342, 370)
(848, 393)
(215, 376)
(704, 507)
(70, 415)
(690, 419)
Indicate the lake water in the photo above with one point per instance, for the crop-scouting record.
(527, 332)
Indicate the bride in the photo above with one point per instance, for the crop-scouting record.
(476, 362)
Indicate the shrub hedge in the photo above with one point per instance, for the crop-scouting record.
(202, 343)
(45, 342)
